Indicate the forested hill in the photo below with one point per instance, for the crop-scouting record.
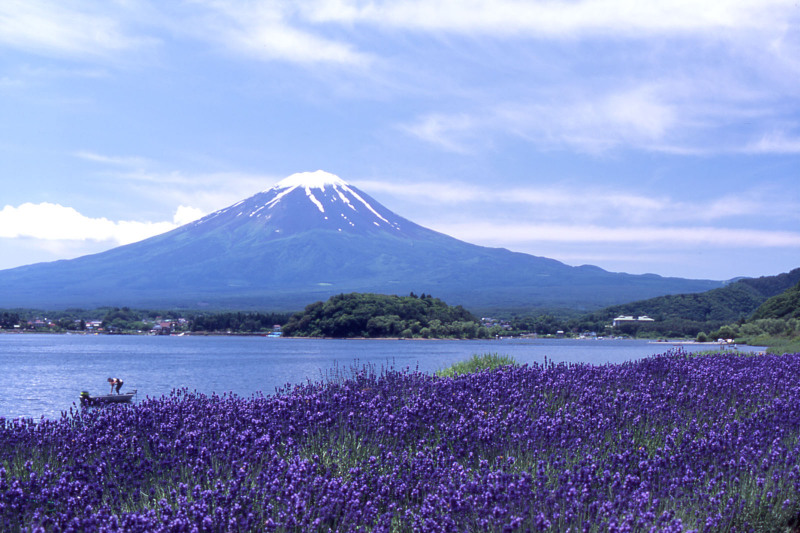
(727, 304)
(784, 305)
(379, 315)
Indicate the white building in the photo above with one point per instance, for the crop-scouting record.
(625, 319)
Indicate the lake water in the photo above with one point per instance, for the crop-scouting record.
(43, 375)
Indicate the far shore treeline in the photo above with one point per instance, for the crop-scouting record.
(342, 316)
(762, 311)
(127, 320)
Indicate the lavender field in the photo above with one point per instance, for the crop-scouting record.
(674, 442)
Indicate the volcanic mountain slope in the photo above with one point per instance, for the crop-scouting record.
(311, 236)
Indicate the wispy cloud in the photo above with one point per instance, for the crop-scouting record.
(271, 31)
(775, 143)
(516, 234)
(86, 30)
(665, 77)
(451, 132)
(589, 205)
(202, 191)
(658, 95)
(122, 161)
(677, 116)
(554, 19)
(7, 82)
(592, 122)
(66, 29)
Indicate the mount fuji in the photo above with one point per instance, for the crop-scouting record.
(310, 236)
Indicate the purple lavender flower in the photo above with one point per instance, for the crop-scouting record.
(670, 443)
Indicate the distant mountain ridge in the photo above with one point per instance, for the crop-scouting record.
(735, 301)
(311, 236)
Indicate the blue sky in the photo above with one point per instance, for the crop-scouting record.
(658, 138)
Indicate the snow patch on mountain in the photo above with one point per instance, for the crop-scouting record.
(367, 205)
(278, 197)
(314, 199)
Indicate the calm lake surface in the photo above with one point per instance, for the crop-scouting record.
(43, 375)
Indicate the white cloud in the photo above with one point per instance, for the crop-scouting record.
(65, 28)
(185, 214)
(54, 222)
(45, 232)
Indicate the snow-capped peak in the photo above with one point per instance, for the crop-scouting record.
(310, 180)
(339, 205)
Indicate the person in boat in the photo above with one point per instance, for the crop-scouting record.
(115, 382)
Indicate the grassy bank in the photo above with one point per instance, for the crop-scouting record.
(668, 443)
(775, 345)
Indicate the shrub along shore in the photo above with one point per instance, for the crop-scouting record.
(669, 443)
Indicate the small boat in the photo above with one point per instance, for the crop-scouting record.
(88, 399)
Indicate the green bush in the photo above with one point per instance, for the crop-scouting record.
(380, 315)
(477, 363)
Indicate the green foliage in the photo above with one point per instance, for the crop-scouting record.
(775, 324)
(477, 363)
(726, 332)
(784, 305)
(9, 320)
(544, 324)
(778, 335)
(727, 304)
(669, 327)
(236, 322)
(127, 320)
(684, 315)
(782, 345)
(773, 285)
(380, 315)
(118, 318)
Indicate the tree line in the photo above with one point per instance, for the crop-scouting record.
(239, 322)
(127, 320)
